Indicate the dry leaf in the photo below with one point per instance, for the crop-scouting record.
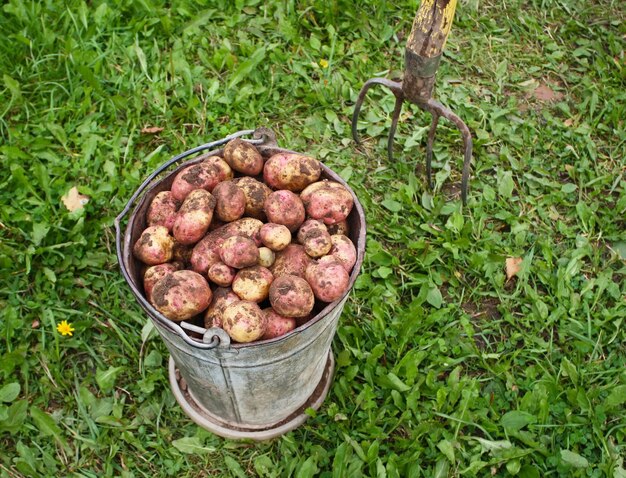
(545, 93)
(151, 130)
(513, 266)
(73, 200)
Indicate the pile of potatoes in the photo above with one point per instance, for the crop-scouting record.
(252, 245)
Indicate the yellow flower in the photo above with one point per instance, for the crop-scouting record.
(324, 63)
(64, 328)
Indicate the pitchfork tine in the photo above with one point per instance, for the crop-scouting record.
(438, 109)
(394, 125)
(394, 86)
(429, 148)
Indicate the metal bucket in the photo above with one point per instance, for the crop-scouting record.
(256, 390)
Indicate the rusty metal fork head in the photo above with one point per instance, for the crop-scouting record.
(422, 55)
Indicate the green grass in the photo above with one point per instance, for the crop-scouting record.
(445, 368)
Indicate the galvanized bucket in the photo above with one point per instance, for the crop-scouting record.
(257, 390)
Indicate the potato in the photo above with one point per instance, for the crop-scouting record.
(162, 210)
(291, 171)
(207, 252)
(182, 252)
(230, 201)
(253, 283)
(286, 208)
(256, 193)
(314, 236)
(291, 296)
(327, 201)
(154, 246)
(244, 321)
(277, 325)
(181, 295)
(239, 252)
(246, 227)
(221, 274)
(243, 157)
(266, 257)
(275, 236)
(225, 173)
(198, 176)
(222, 298)
(155, 273)
(194, 217)
(341, 227)
(328, 279)
(344, 250)
(292, 260)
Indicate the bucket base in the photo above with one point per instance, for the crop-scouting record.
(201, 418)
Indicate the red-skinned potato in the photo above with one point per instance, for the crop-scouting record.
(314, 236)
(239, 252)
(244, 321)
(246, 227)
(291, 171)
(155, 273)
(154, 246)
(341, 227)
(197, 176)
(221, 274)
(286, 208)
(194, 217)
(230, 201)
(162, 210)
(344, 250)
(291, 296)
(327, 201)
(181, 295)
(328, 279)
(275, 236)
(256, 193)
(277, 325)
(253, 283)
(222, 298)
(266, 257)
(225, 173)
(243, 157)
(292, 260)
(207, 251)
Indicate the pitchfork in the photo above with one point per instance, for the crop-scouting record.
(422, 55)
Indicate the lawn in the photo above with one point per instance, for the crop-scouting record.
(446, 366)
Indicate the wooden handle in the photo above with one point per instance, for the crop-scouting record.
(431, 28)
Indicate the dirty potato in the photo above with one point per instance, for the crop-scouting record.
(162, 210)
(181, 295)
(286, 208)
(256, 193)
(222, 298)
(239, 252)
(230, 201)
(253, 283)
(328, 279)
(291, 296)
(291, 171)
(154, 246)
(244, 321)
(194, 217)
(243, 157)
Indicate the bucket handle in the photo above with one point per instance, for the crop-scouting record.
(260, 136)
